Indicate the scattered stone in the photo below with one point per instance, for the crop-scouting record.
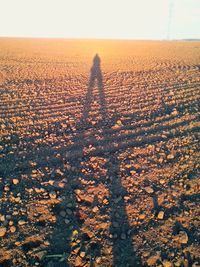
(69, 212)
(161, 215)
(142, 216)
(46, 243)
(152, 260)
(6, 188)
(78, 262)
(39, 190)
(53, 195)
(167, 264)
(88, 199)
(146, 254)
(123, 236)
(61, 184)
(196, 264)
(162, 181)
(103, 226)
(183, 237)
(21, 222)
(11, 223)
(12, 229)
(105, 201)
(2, 218)
(95, 209)
(2, 231)
(92, 159)
(170, 156)
(40, 254)
(15, 181)
(115, 224)
(149, 189)
(62, 213)
(69, 205)
(98, 260)
(17, 200)
(174, 112)
(82, 254)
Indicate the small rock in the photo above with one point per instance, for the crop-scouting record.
(40, 254)
(98, 260)
(103, 226)
(186, 263)
(67, 221)
(196, 264)
(123, 236)
(115, 224)
(2, 231)
(21, 222)
(2, 218)
(61, 184)
(82, 254)
(69, 205)
(161, 215)
(6, 188)
(46, 243)
(183, 237)
(95, 209)
(53, 195)
(142, 216)
(152, 260)
(15, 181)
(69, 212)
(17, 200)
(105, 201)
(78, 262)
(162, 181)
(12, 229)
(62, 213)
(88, 199)
(170, 156)
(92, 159)
(149, 189)
(146, 254)
(167, 264)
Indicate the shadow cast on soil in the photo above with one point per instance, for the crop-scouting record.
(121, 234)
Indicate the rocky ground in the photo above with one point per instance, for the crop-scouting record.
(99, 163)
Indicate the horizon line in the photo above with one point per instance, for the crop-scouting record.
(100, 38)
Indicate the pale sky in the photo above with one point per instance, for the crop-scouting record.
(109, 19)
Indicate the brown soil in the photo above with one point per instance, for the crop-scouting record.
(99, 157)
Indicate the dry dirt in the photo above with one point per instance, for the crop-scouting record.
(99, 158)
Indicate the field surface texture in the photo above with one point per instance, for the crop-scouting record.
(99, 153)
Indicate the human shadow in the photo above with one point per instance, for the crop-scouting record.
(121, 233)
(95, 75)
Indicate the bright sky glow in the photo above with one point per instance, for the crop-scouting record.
(110, 19)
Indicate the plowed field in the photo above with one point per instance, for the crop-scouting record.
(99, 154)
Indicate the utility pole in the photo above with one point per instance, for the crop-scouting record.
(170, 15)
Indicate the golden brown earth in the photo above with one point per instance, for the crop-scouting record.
(99, 156)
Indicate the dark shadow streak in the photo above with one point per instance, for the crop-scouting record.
(121, 236)
(95, 75)
(123, 251)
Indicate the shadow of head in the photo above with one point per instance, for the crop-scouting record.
(96, 65)
(96, 60)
